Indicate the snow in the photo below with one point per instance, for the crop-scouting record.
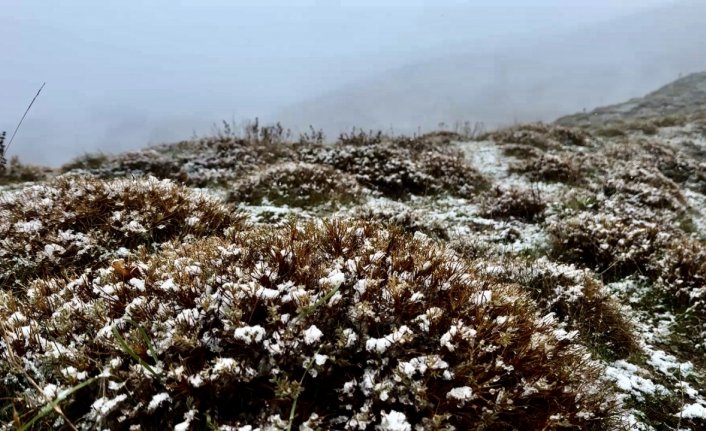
(626, 377)
(250, 334)
(188, 417)
(32, 226)
(157, 400)
(483, 297)
(334, 279)
(380, 345)
(393, 421)
(462, 393)
(312, 335)
(693, 411)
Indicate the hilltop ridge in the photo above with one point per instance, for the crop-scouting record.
(683, 97)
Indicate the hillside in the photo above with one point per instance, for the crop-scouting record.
(534, 277)
(681, 98)
(532, 79)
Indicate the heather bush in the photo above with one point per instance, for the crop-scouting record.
(90, 161)
(681, 165)
(550, 168)
(408, 220)
(513, 203)
(633, 183)
(297, 184)
(580, 301)
(620, 244)
(541, 136)
(397, 170)
(76, 222)
(317, 326)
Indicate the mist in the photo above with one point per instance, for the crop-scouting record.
(124, 75)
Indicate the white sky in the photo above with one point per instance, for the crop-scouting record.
(123, 73)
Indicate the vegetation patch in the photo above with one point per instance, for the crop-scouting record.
(298, 184)
(398, 171)
(17, 172)
(331, 325)
(550, 168)
(513, 203)
(76, 223)
(542, 136)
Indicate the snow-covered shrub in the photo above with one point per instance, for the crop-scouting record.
(551, 168)
(405, 218)
(615, 244)
(513, 203)
(86, 162)
(74, 223)
(578, 299)
(635, 184)
(328, 326)
(542, 136)
(397, 170)
(297, 184)
(618, 244)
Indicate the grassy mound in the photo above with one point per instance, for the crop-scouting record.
(622, 244)
(513, 203)
(551, 168)
(74, 223)
(297, 184)
(637, 185)
(319, 326)
(578, 299)
(397, 169)
(541, 136)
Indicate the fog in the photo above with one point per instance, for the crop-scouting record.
(125, 74)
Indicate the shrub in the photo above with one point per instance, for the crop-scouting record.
(618, 245)
(513, 203)
(542, 136)
(333, 326)
(520, 151)
(638, 185)
(297, 184)
(75, 222)
(614, 245)
(18, 172)
(398, 171)
(408, 220)
(86, 162)
(610, 132)
(580, 301)
(550, 168)
(361, 138)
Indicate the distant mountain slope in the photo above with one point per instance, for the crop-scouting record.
(686, 95)
(536, 79)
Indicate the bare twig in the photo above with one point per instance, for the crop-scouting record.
(23, 117)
